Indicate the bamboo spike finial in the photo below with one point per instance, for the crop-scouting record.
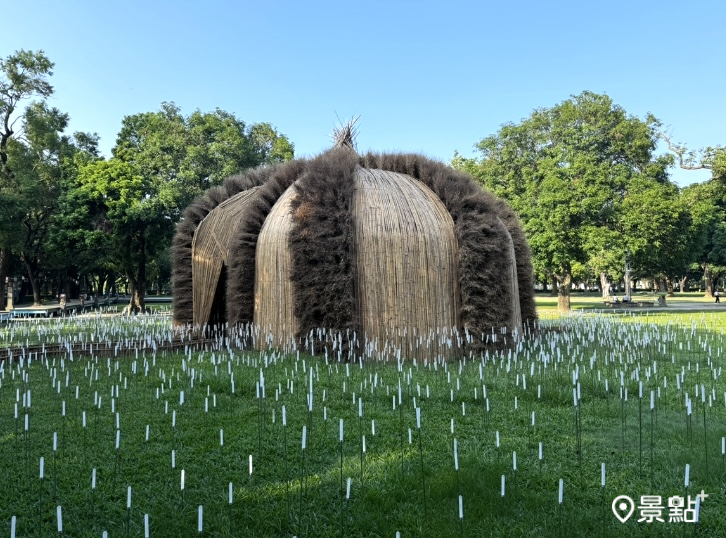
(344, 135)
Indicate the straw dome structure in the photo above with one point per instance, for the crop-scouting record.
(378, 255)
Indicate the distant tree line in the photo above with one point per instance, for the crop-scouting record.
(71, 219)
(586, 183)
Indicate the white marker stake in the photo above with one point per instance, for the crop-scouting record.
(347, 489)
(42, 467)
(128, 499)
(182, 480)
(561, 490)
(13, 522)
(199, 524)
(59, 513)
(250, 465)
(687, 481)
(503, 484)
(146, 525)
(341, 431)
(221, 437)
(602, 475)
(230, 492)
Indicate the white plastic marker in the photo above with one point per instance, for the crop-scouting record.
(687, 481)
(503, 484)
(13, 522)
(347, 489)
(230, 492)
(461, 507)
(182, 480)
(456, 455)
(561, 490)
(221, 437)
(341, 431)
(250, 462)
(146, 525)
(418, 418)
(93, 478)
(128, 499)
(42, 467)
(173, 460)
(199, 519)
(602, 475)
(59, 513)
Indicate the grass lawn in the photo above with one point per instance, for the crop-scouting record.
(547, 303)
(210, 410)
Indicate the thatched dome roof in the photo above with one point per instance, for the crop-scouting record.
(404, 253)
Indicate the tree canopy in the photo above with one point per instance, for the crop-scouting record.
(579, 175)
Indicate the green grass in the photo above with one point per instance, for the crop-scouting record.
(546, 303)
(411, 488)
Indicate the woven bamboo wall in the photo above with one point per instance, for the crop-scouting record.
(516, 321)
(274, 303)
(210, 251)
(407, 282)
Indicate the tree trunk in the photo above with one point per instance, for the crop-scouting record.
(669, 287)
(138, 283)
(32, 269)
(683, 284)
(553, 283)
(604, 286)
(564, 282)
(708, 280)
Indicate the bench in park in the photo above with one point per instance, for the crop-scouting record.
(634, 303)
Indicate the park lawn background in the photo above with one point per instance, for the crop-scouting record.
(411, 488)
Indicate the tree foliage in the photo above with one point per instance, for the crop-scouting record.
(578, 175)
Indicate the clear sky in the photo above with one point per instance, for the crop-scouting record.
(428, 77)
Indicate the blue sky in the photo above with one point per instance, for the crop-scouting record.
(424, 77)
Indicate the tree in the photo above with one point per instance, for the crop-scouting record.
(566, 171)
(36, 178)
(23, 75)
(709, 158)
(162, 161)
(127, 221)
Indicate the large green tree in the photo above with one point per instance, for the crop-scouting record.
(23, 76)
(566, 171)
(161, 161)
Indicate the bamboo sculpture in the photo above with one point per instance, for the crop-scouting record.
(375, 256)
